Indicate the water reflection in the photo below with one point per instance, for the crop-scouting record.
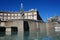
(27, 36)
(2, 34)
(14, 33)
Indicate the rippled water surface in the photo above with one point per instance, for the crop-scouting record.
(27, 36)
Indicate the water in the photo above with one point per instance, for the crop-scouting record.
(27, 36)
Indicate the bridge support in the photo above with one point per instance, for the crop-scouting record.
(8, 31)
(2, 23)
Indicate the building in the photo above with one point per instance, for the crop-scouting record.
(22, 21)
(23, 18)
(53, 25)
(31, 14)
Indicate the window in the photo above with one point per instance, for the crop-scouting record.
(12, 17)
(29, 17)
(8, 14)
(19, 14)
(15, 14)
(5, 18)
(5, 14)
(29, 13)
(8, 17)
(32, 17)
(35, 17)
(12, 14)
(35, 12)
(25, 13)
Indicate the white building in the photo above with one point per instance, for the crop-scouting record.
(31, 14)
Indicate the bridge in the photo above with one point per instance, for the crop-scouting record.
(34, 27)
(22, 25)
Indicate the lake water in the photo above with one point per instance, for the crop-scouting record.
(27, 36)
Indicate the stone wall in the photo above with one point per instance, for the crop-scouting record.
(43, 28)
(50, 29)
(15, 23)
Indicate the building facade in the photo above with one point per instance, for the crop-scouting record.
(23, 20)
(31, 14)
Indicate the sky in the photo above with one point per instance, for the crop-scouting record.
(46, 8)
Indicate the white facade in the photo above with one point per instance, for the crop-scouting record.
(32, 14)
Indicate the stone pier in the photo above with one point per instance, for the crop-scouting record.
(35, 27)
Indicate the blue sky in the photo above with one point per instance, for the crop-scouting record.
(46, 8)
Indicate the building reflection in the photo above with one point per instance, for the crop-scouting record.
(2, 34)
(8, 36)
(26, 35)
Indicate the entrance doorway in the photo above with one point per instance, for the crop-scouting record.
(26, 26)
(2, 29)
(14, 30)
